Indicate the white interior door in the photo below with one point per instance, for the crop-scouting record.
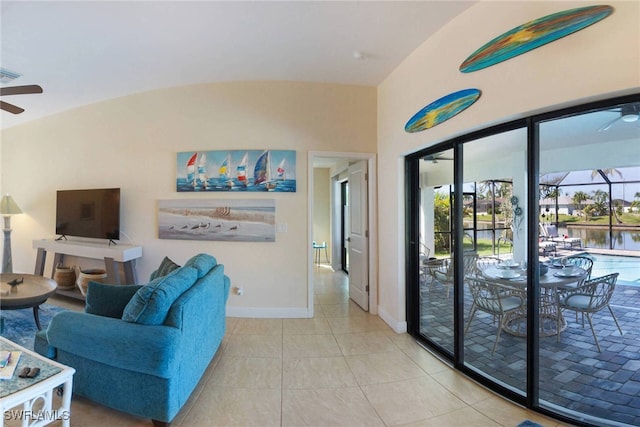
(358, 235)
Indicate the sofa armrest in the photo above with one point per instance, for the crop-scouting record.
(150, 349)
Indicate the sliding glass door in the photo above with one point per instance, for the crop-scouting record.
(495, 285)
(590, 195)
(435, 244)
(523, 264)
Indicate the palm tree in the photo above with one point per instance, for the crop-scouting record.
(485, 188)
(636, 202)
(608, 172)
(579, 197)
(599, 202)
(442, 223)
(549, 192)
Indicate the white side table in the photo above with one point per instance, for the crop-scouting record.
(318, 247)
(31, 399)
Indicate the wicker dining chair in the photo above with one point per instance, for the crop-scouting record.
(444, 275)
(592, 296)
(583, 262)
(496, 299)
(484, 262)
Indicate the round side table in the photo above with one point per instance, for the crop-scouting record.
(33, 291)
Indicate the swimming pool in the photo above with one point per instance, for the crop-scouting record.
(628, 267)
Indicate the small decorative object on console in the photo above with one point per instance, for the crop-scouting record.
(14, 284)
(65, 277)
(86, 276)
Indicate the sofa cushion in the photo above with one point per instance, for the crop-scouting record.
(166, 267)
(108, 300)
(151, 303)
(201, 262)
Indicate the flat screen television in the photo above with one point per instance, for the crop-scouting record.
(93, 213)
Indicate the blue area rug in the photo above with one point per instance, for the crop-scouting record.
(20, 326)
(527, 423)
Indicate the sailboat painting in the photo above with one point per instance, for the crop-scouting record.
(236, 170)
(249, 220)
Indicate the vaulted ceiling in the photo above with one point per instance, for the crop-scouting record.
(85, 52)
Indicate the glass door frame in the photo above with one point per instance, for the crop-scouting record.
(412, 202)
(412, 198)
(412, 244)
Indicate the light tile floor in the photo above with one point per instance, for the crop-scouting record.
(344, 367)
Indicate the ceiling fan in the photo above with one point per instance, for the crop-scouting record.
(17, 90)
(434, 158)
(629, 113)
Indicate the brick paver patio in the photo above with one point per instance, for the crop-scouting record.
(573, 374)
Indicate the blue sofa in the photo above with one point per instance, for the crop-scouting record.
(143, 349)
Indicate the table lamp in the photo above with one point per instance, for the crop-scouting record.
(8, 207)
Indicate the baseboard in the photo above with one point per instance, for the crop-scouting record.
(397, 326)
(270, 313)
(302, 313)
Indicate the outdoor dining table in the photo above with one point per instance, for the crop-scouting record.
(556, 280)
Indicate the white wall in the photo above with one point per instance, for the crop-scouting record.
(132, 142)
(597, 62)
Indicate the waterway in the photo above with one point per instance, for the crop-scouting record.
(597, 238)
(592, 237)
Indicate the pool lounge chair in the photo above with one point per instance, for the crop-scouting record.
(550, 233)
(547, 247)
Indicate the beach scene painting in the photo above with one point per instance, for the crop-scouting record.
(236, 170)
(218, 220)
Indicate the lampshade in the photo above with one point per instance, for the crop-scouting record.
(8, 206)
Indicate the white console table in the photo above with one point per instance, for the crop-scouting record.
(113, 255)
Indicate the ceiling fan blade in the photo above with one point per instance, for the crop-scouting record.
(20, 90)
(10, 108)
(436, 157)
(608, 125)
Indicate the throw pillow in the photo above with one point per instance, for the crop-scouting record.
(108, 300)
(201, 262)
(166, 267)
(151, 303)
